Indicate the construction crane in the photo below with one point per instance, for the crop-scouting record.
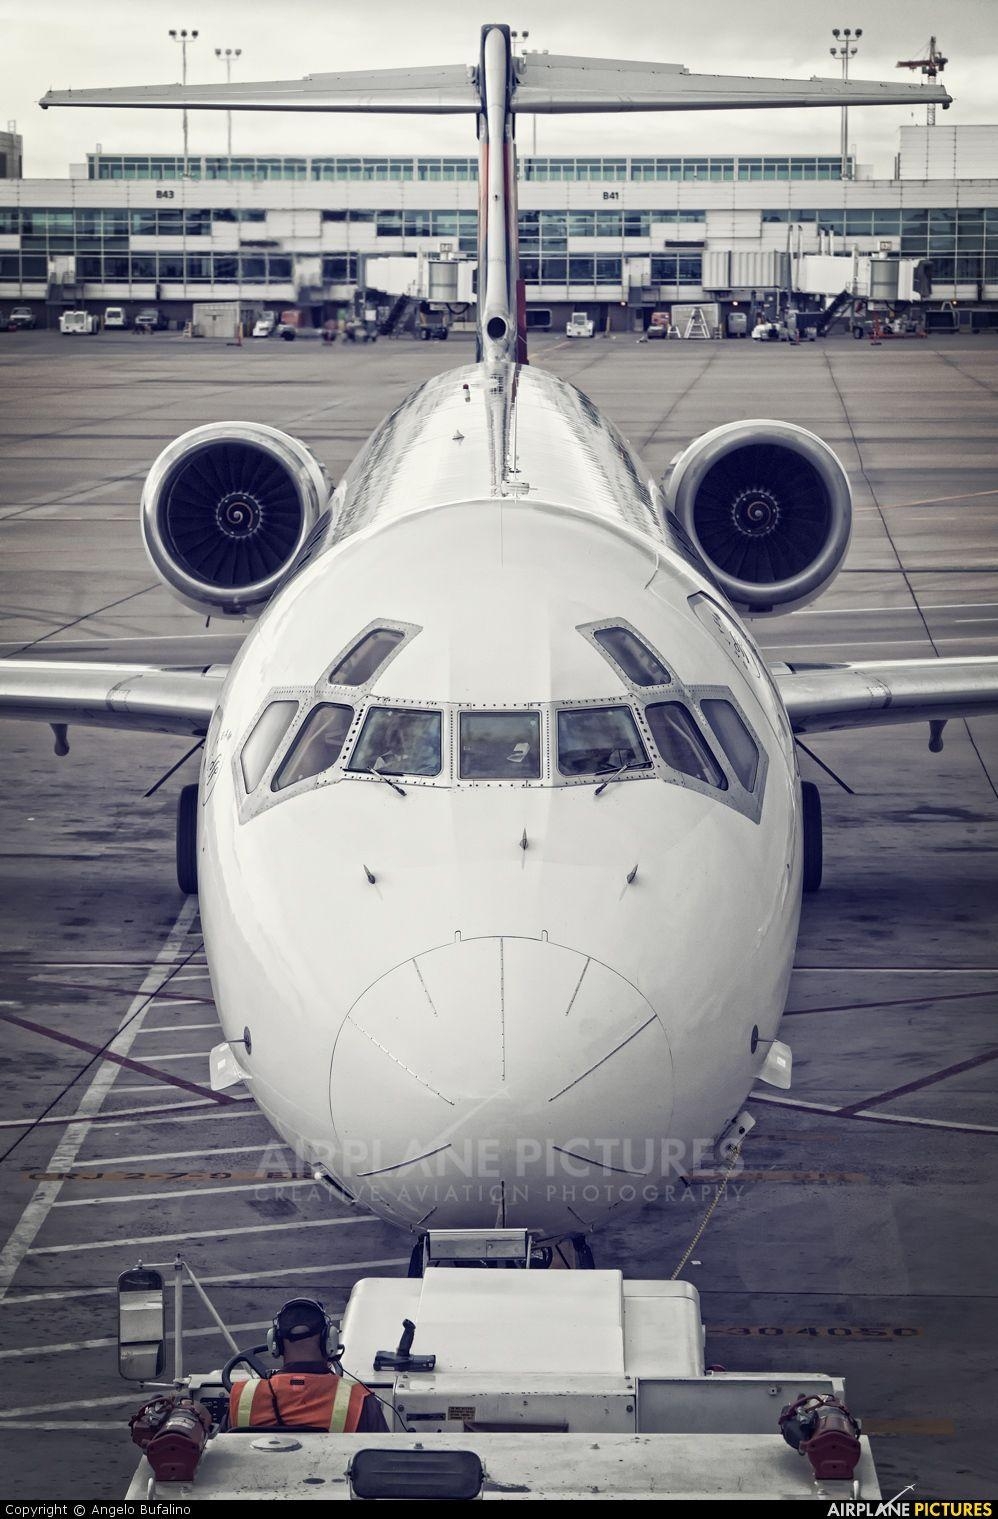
(931, 66)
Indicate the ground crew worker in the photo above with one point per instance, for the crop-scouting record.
(308, 1392)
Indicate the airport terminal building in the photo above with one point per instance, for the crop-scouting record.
(618, 236)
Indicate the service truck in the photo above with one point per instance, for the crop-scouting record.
(511, 1379)
(580, 325)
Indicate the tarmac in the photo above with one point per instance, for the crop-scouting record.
(861, 1236)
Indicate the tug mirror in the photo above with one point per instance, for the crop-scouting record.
(141, 1325)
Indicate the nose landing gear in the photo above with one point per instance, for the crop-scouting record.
(811, 805)
(187, 840)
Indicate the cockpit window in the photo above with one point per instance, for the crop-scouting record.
(399, 741)
(639, 663)
(368, 654)
(317, 745)
(261, 746)
(595, 740)
(681, 745)
(500, 746)
(734, 738)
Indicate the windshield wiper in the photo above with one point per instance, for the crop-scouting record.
(616, 774)
(379, 775)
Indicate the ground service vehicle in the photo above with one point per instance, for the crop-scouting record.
(21, 317)
(266, 325)
(150, 319)
(580, 325)
(540, 1383)
(115, 317)
(75, 322)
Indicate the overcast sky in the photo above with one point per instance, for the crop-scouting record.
(72, 43)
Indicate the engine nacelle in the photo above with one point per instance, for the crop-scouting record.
(768, 506)
(225, 510)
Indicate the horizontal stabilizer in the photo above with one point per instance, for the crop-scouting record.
(550, 84)
(543, 84)
(422, 91)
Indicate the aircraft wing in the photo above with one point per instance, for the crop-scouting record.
(110, 696)
(820, 698)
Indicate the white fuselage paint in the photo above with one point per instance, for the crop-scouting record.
(488, 1033)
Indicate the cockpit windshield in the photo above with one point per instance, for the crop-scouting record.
(639, 663)
(317, 745)
(595, 740)
(399, 741)
(500, 746)
(366, 657)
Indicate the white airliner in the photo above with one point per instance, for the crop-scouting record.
(499, 836)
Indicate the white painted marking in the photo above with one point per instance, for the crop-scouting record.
(878, 1113)
(52, 1424)
(26, 1410)
(94, 1162)
(208, 1191)
(291, 1272)
(74, 1345)
(176, 1028)
(238, 1109)
(897, 970)
(63, 1158)
(152, 1088)
(942, 606)
(179, 1002)
(219, 1232)
(185, 1055)
(219, 1110)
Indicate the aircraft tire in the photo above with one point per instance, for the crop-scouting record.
(813, 851)
(584, 1260)
(187, 840)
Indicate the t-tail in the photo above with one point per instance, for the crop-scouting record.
(496, 90)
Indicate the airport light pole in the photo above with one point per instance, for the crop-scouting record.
(523, 37)
(183, 37)
(228, 54)
(844, 50)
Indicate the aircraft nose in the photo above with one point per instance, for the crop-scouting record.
(492, 1077)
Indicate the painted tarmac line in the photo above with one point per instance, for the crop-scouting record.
(219, 1232)
(146, 1114)
(917, 1085)
(68, 1346)
(155, 1197)
(291, 1272)
(897, 970)
(185, 1055)
(92, 1162)
(126, 1061)
(857, 1007)
(177, 1028)
(26, 1410)
(826, 1110)
(64, 1156)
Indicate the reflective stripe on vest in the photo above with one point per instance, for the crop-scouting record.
(341, 1408)
(244, 1404)
(297, 1400)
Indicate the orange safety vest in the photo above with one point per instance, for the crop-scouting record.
(297, 1399)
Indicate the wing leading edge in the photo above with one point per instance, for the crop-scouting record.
(109, 696)
(822, 698)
